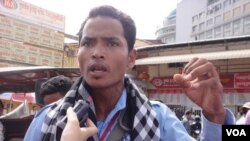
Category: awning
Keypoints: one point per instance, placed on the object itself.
(232, 54)
(23, 79)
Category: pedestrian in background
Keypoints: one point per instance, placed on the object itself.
(55, 88)
(188, 120)
(247, 120)
(196, 127)
(244, 109)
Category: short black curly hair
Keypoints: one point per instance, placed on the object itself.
(55, 84)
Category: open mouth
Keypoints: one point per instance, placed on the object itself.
(97, 68)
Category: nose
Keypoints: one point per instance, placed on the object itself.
(98, 52)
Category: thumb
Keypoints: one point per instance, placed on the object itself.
(178, 78)
(90, 130)
(71, 116)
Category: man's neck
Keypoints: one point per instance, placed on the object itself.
(105, 101)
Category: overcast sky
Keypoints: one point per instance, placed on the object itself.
(147, 14)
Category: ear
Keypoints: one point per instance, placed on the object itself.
(131, 58)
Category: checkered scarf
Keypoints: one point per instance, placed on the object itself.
(143, 122)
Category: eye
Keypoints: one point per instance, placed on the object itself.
(85, 44)
(112, 44)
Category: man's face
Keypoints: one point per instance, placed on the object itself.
(189, 115)
(103, 53)
(52, 98)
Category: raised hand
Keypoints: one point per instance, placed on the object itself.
(202, 85)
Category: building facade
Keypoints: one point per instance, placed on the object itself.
(30, 35)
(222, 18)
(230, 56)
(208, 19)
(166, 32)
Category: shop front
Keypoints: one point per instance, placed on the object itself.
(236, 91)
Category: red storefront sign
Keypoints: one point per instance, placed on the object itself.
(236, 91)
(164, 82)
(242, 80)
(166, 91)
(237, 83)
(227, 80)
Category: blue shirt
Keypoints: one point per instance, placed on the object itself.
(170, 126)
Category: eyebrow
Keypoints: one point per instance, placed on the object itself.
(111, 38)
(103, 38)
(86, 39)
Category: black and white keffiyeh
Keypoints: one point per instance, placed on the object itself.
(143, 122)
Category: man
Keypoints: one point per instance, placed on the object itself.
(188, 120)
(247, 118)
(54, 88)
(196, 127)
(117, 107)
(244, 109)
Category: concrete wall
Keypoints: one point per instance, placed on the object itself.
(186, 9)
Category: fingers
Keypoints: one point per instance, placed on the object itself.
(71, 116)
(199, 68)
(204, 83)
(195, 72)
(189, 64)
(91, 130)
(89, 123)
(72, 130)
(72, 127)
(180, 80)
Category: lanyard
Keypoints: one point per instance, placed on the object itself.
(111, 123)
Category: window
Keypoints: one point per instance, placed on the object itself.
(209, 22)
(217, 32)
(247, 25)
(202, 15)
(195, 18)
(247, 7)
(217, 8)
(236, 28)
(210, 10)
(201, 26)
(227, 15)
(175, 65)
(209, 34)
(227, 30)
(195, 28)
(217, 19)
(202, 36)
(227, 3)
(172, 21)
(235, 1)
(209, 2)
(236, 11)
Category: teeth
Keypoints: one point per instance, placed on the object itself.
(98, 69)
